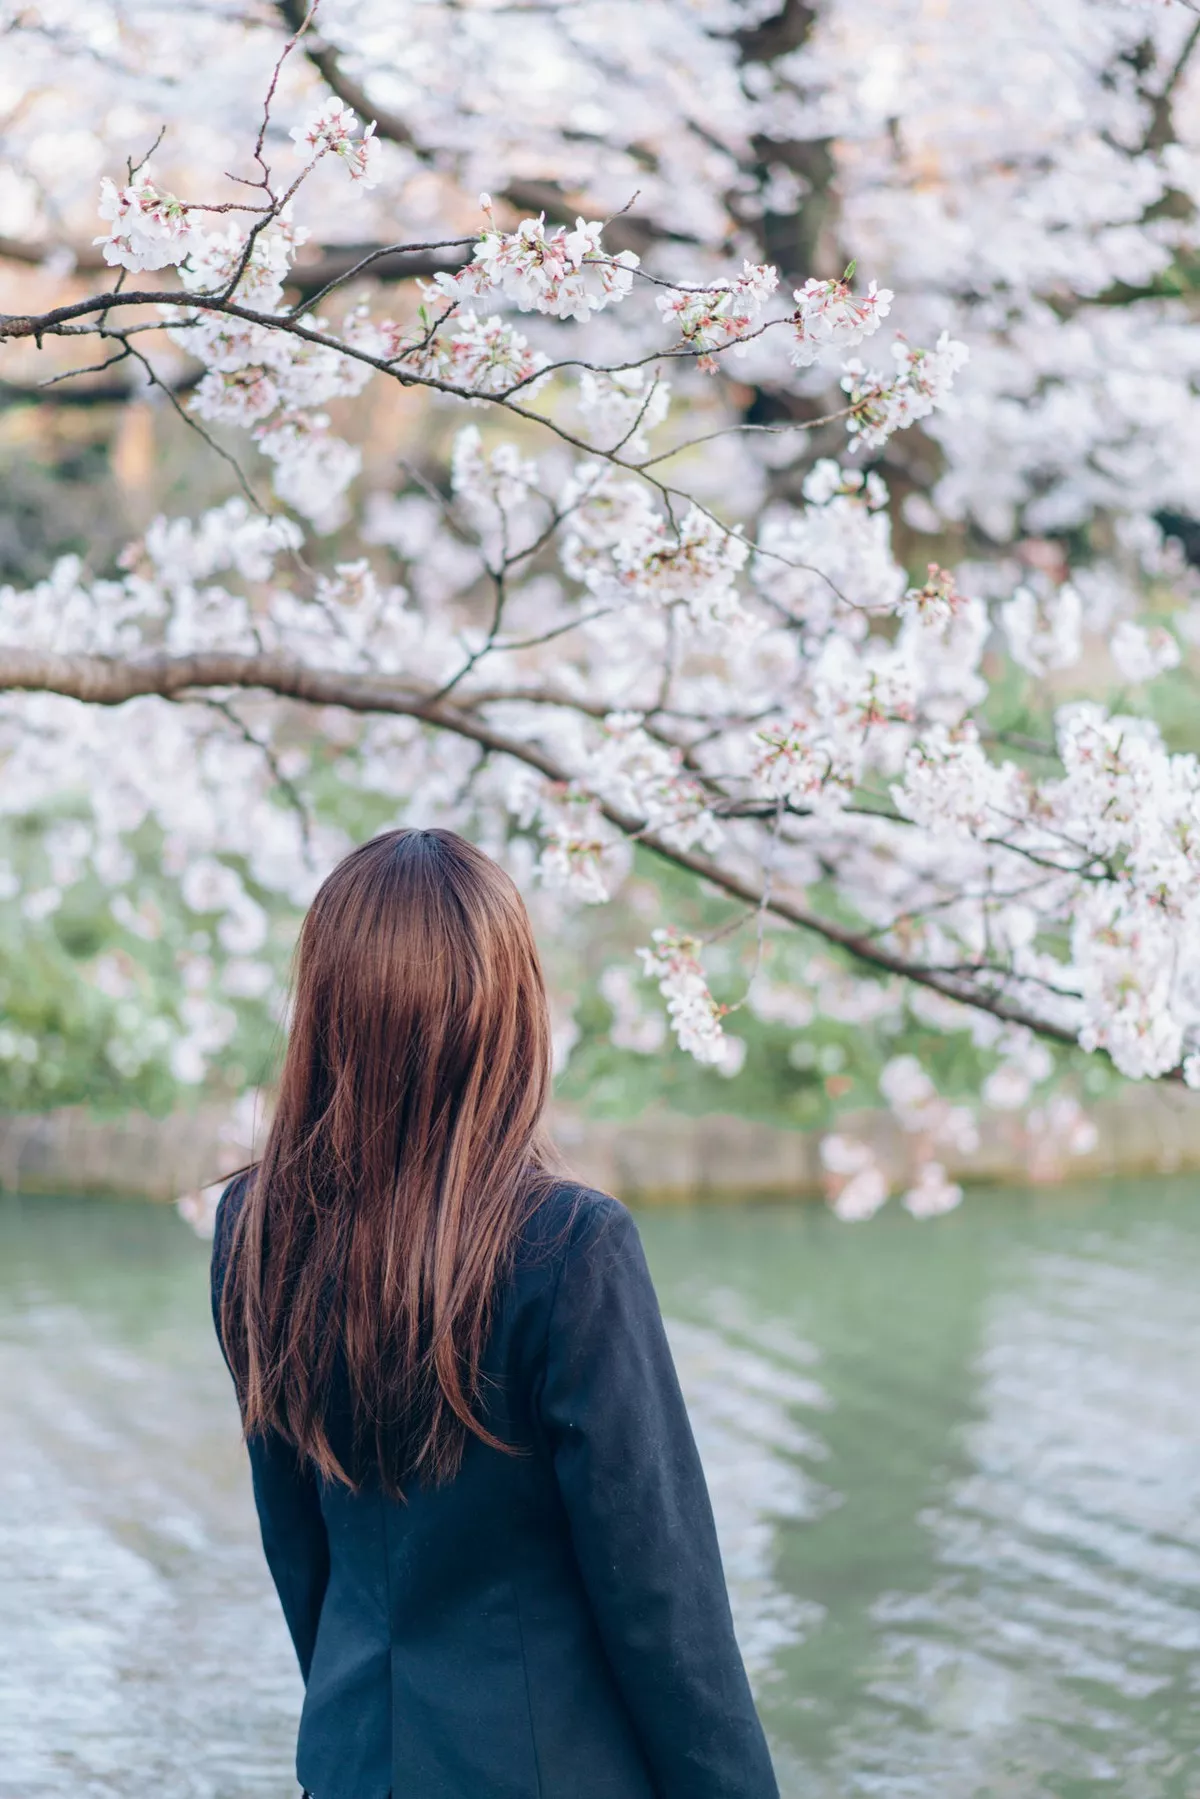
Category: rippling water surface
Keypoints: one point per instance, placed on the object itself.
(956, 1468)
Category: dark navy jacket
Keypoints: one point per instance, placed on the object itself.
(552, 1625)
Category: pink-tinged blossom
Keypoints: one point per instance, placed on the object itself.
(1123, 956)
(644, 779)
(602, 510)
(944, 657)
(712, 318)
(150, 229)
(883, 404)
(932, 1193)
(696, 566)
(182, 550)
(565, 274)
(622, 406)
(480, 355)
(620, 546)
(1044, 632)
(330, 130)
(267, 380)
(796, 762)
(313, 466)
(865, 696)
(922, 1111)
(829, 315)
(909, 1092)
(673, 960)
(1127, 799)
(240, 396)
(1143, 652)
(582, 856)
(855, 1184)
(950, 784)
(827, 480)
(829, 564)
(937, 600)
(572, 859)
(632, 1028)
(218, 256)
(492, 481)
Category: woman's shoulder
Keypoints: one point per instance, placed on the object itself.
(229, 1207)
(569, 1217)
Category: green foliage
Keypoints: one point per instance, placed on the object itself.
(94, 981)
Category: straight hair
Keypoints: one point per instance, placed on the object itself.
(406, 1152)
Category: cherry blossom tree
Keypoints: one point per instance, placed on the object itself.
(802, 527)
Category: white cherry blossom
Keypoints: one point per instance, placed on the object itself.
(857, 1185)
(883, 404)
(923, 729)
(1044, 634)
(830, 315)
(565, 274)
(150, 229)
(673, 960)
(1142, 652)
(330, 129)
(932, 1193)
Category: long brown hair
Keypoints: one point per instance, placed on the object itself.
(405, 1153)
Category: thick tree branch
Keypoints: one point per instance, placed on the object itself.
(102, 681)
(316, 267)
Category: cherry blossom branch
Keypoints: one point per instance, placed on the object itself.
(102, 681)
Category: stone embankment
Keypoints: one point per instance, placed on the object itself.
(658, 1157)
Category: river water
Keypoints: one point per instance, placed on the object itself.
(956, 1468)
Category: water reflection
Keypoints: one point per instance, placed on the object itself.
(998, 1553)
(744, 1407)
(142, 1651)
(1064, 1630)
(955, 1469)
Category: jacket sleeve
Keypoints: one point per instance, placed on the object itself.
(293, 1536)
(286, 1494)
(640, 1518)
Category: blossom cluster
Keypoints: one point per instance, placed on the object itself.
(149, 229)
(673, 961)
(330, 130)
(937, 600)
(623, 406)
(645, 779)
(481, 356)
(882, 404)
(565, 274)
(829, 314)
(712, 318)
(621, 545)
